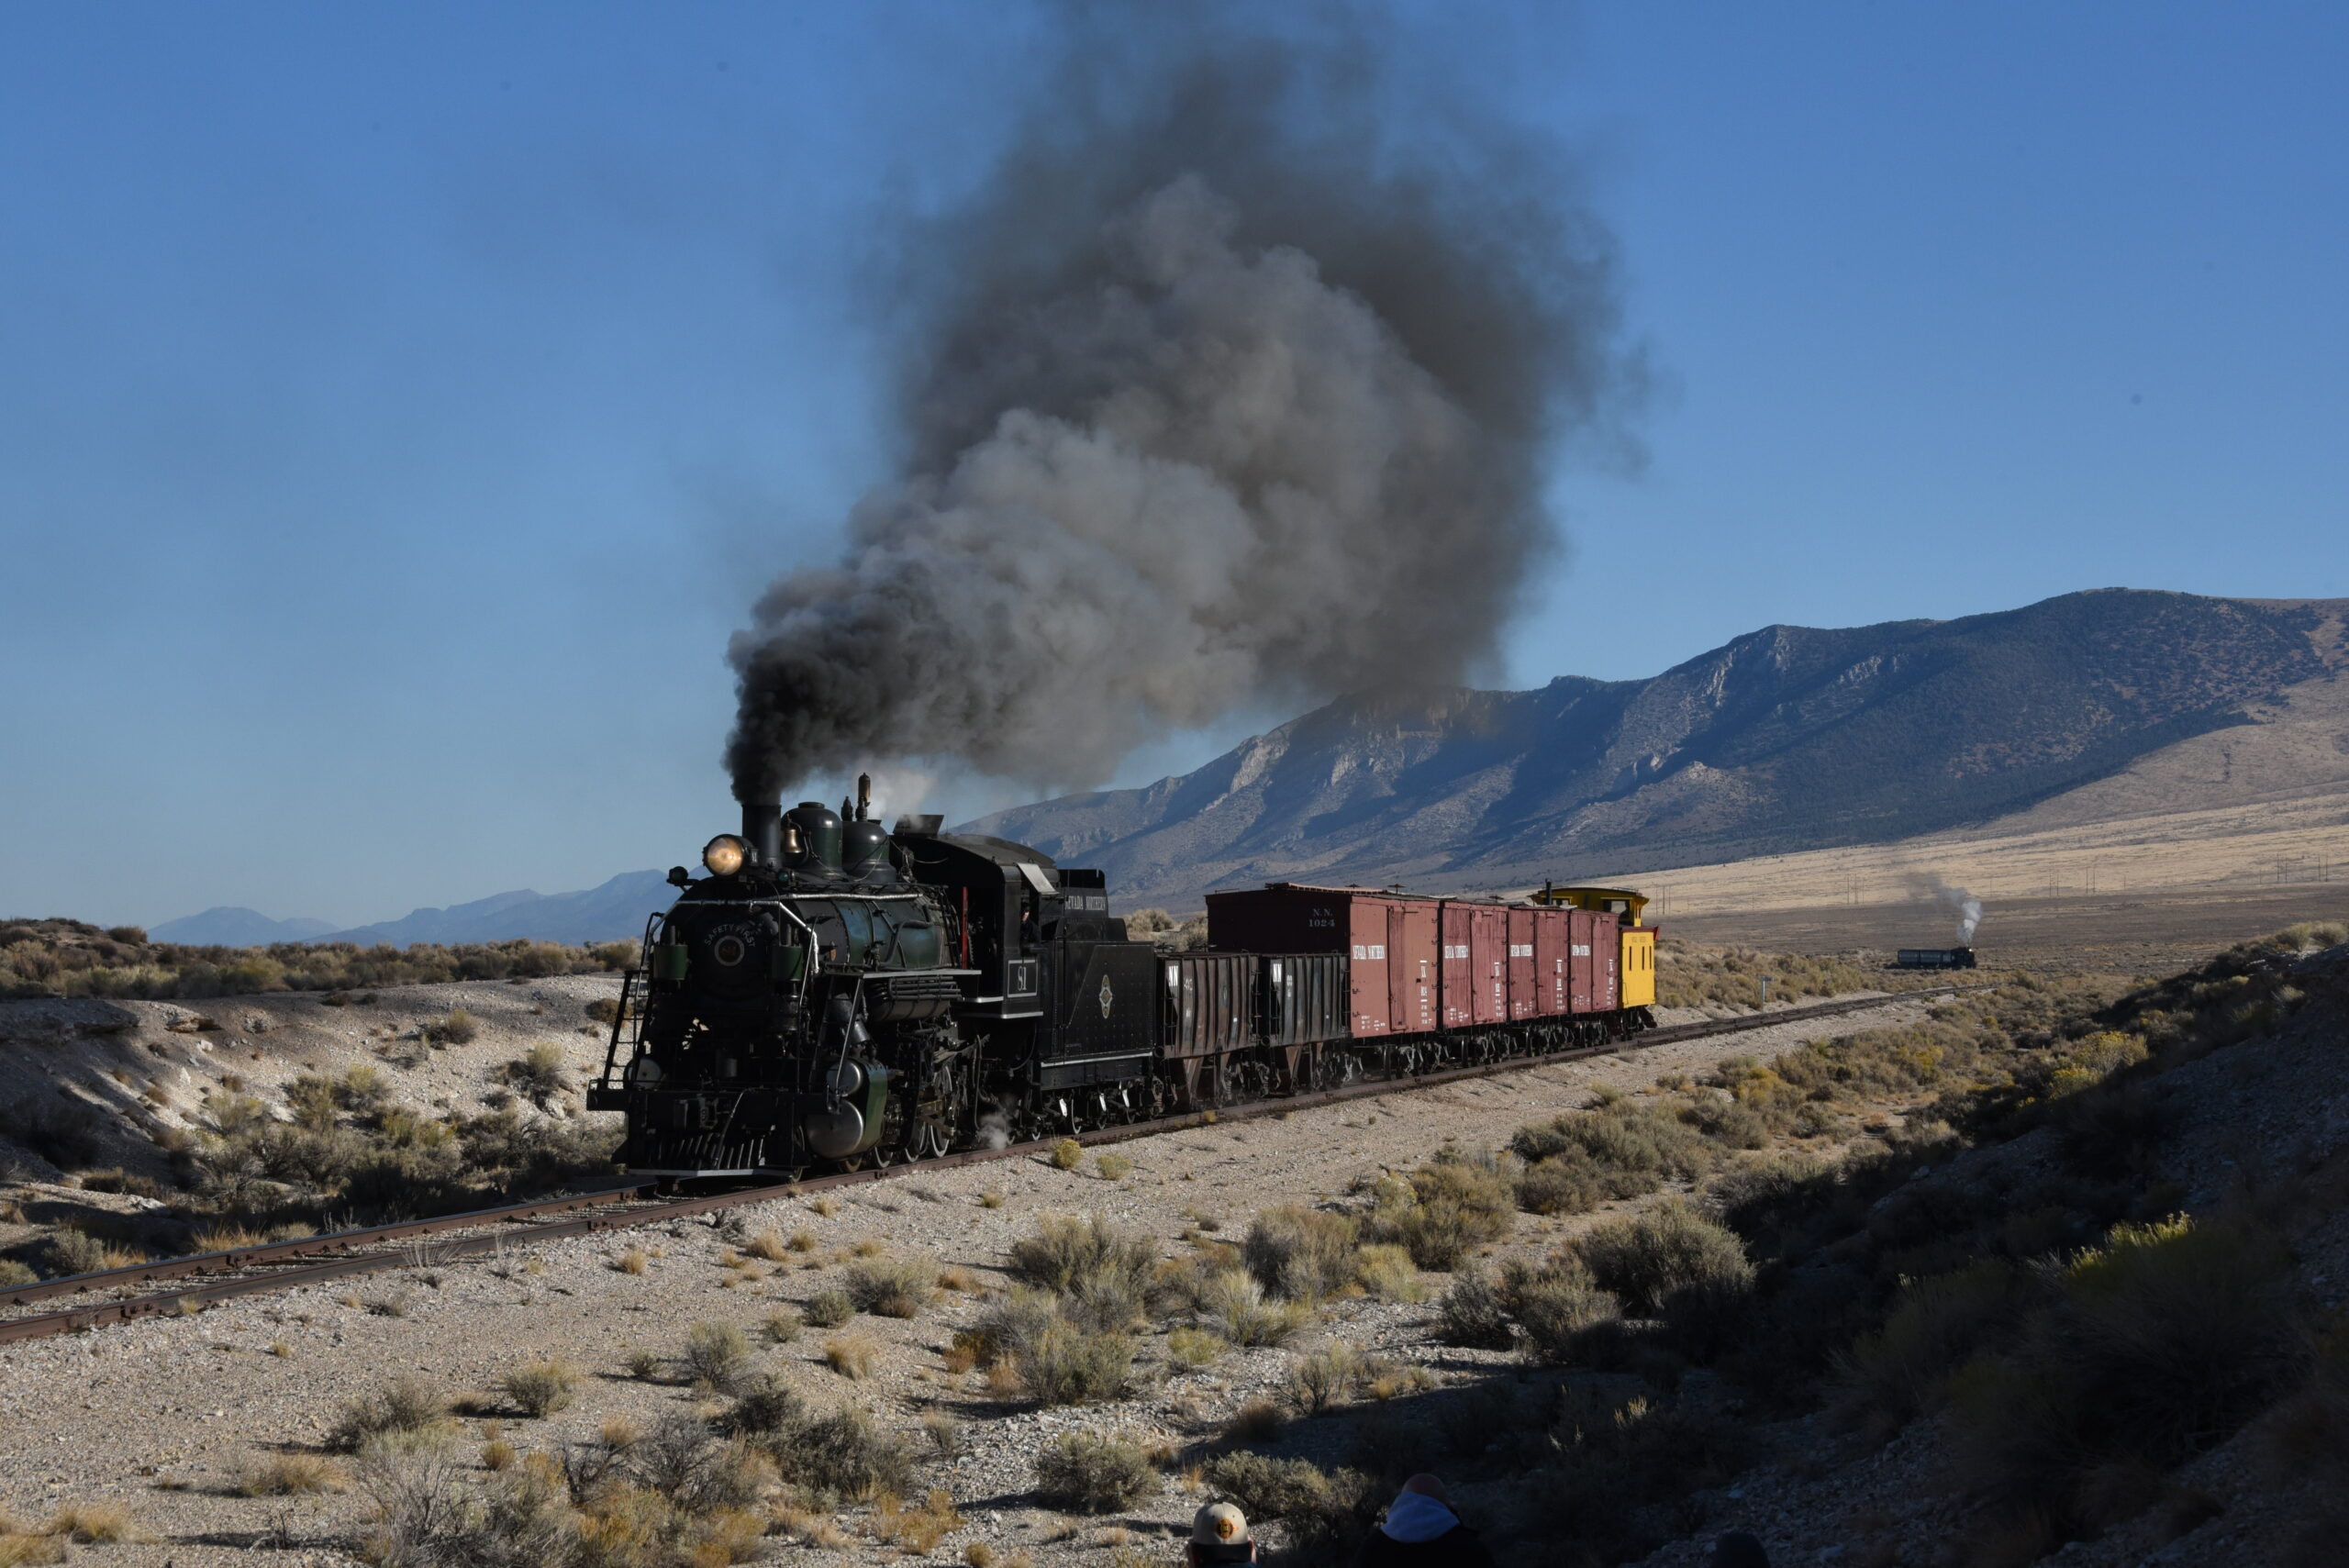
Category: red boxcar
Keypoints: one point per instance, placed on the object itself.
(1552, 936)
(1524, 986)
(1390, 942)
(1412, 964)
(1593, 945)
(1475, 970)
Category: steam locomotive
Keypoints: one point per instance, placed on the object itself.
(831, 994)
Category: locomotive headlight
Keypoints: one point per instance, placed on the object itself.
(724, 855)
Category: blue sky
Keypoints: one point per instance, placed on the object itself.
(400, 406)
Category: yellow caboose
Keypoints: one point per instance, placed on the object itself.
(1636, 963)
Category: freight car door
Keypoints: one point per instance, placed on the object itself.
(1524, 981)
(1372, 1006)
(1489, 951)
(1608, 982)
(1458, 1000)
(1411, 965)
(1582, 960)
(1549, 942)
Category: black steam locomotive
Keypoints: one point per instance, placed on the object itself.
(832, 992)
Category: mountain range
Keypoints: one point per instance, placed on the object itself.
(1789, 738)
(2089, 706)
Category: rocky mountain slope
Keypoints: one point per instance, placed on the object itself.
(1787, 739)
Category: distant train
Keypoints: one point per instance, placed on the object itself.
(831, 993)
(1934, 958)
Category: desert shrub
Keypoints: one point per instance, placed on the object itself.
(842, 1453)
(542, 1386)
(1560, 1185)
(1320, 1380)
(1325, 1511)
(783, 1328)
(768, 1245)
(763, 1406)
(1064, 1253)
(1936, 1325)
(13, 1273)
(537, 1074)
(1091, 1474)
(1193, 1348)
(1619, 1150)
(63, 1131)
(460, 1027)
(1012, 1322)
(892, 1287)
(1653, 1260)
(1472, 1313)
(718, 1355)
(829, 1309)
(1386, 1272)
(73, 1251)
(311, 1100)
(1301, 1254)
(2159, 1343)
(1448, 1207)
(1067, 1365)
(604, 1010)
(1233, 1303)
(1112, 1167)
(1556, 1305)
(1612, 1461)
(1068, 1154)
(403, 1406)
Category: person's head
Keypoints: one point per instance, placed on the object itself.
(1739, 1550)
(1427, 1485)
(1220, 1534)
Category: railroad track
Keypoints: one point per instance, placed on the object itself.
(100, 1299)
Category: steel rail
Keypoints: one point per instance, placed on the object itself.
(623, 1208)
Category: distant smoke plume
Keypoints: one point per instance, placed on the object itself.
(1217, 395)
(1963, 905)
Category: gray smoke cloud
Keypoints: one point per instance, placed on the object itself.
(1215, 395)
(1956, 900)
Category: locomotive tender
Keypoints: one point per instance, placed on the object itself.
(831, 994)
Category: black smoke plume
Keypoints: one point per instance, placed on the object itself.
(1219, 394)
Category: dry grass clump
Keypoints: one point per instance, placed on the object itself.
(537, 1074)
(1193, 1348)
(634, 1260)
(1112, 1167)
(1257, 1421)
(1067, 1365)
(1231, 1304)
(1068, 1154)
(92, 1524)
(540, 1387)
(770, 1246)
(403, 1406)
(291, 1474)
(783, 1328)
(892, 1287)
(1321, 1379)
(72, 1251)
(1101, 1272)
(852, 1355)
(991, 1199)
(1092, 1474)
(915, 1531)
(842, 1453)
(829, 1309)
(460, 1027)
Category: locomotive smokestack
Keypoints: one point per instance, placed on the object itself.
(762, 830)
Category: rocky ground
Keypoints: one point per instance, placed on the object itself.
(164, 1416)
